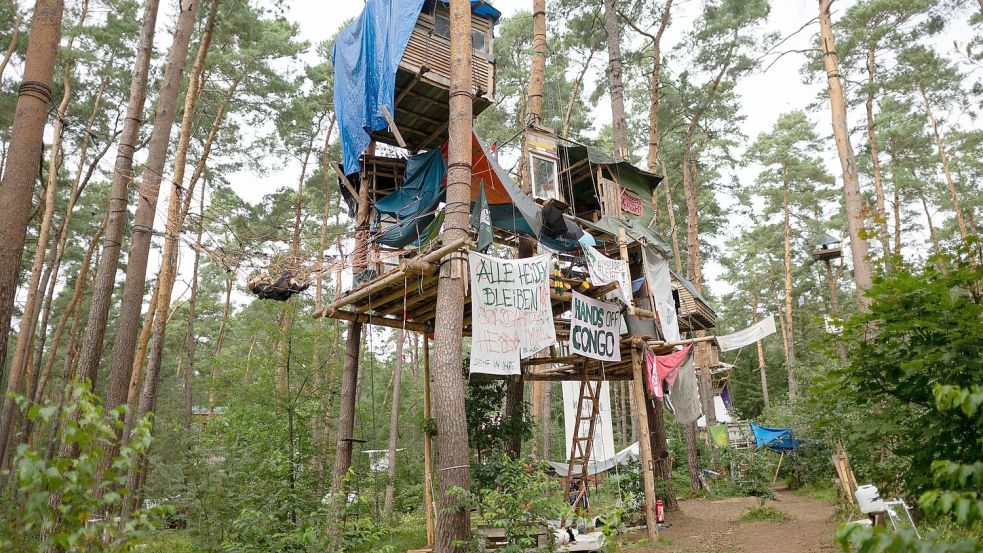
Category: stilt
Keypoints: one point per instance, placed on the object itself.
(780, 459)
(644, 445)
(428, 506)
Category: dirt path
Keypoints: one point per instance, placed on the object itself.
(713, 527)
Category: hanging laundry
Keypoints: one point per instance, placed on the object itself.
(684, 394)
(747, 336)
(663, 368)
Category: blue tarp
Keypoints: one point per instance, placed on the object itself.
(366, 55)
(778, 439)
(479, 7)
(422, 187)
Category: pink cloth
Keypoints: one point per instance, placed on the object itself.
(663, 368)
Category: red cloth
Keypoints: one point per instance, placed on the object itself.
(660, 368)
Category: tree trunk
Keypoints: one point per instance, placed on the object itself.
(671, 214)
(515, 388)
(12, 46)
(834, 301)
(23, 158)
(547, 421)
(78, 185)
(660, 454)
(931, 232)
(220, 341)
(192, 342)
(616, 88)
(881, 218)
(655, 93)
(944, 159)
(104, 281)
(692, 458)
(21, 367)
(428, 503)
(127, 327)
(762, 368)
(17, 187)
(453, 516)
(81, 282)
(848, 161)
(793, 383)
(394, 424)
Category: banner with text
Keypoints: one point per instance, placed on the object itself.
(604, 270)
(595, 328)
(511, 314)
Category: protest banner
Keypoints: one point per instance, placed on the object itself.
(595, 328)
(604, 270)
(511, 313)
(747, 336)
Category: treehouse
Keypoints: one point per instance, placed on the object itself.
(423, 76)
(392, 74)
(827, 248)
(694, 311)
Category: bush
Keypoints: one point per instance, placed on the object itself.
(55, 503)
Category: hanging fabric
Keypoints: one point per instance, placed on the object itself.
(663, 368)
(685, 394)
(660, 288)
(604, 270)
(481, 219)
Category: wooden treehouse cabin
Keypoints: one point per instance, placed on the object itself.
(423, 77)
(827, 248)
(576, 203)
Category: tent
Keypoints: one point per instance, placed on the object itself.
(777, 439)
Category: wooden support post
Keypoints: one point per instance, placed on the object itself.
(344, 180)
(780, 459)
(428, 505)
(623, 248)
(644, 445)
(392, 126)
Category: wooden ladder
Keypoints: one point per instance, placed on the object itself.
(580, 450)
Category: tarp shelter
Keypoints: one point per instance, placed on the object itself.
(366, 55)
(778, 439)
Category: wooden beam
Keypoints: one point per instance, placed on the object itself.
(432, 136)
(381, 282)
(392, 126)
(644, 445)
(409, 86)
(344, 180)
(378, 321)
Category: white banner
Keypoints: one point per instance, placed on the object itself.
(511, 313)
(660, 286)
(604, 270)
(747, 336)
(602, 448)
(595, 328)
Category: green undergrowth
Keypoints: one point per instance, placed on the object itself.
(765, 514)
(817, 491)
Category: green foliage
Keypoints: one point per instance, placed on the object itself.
(66, 503)
(765, 514)
(951, 418)
(488, 430)
(922, 330)
(524, 498)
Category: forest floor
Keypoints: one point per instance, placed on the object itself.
(716, 526)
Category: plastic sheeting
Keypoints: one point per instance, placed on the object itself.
(422, 187)
(597, 467)
(479, 8)
(778, 439)
(366, 55)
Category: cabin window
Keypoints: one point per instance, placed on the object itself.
(442, 27)
(478, 40)
(544, 177)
